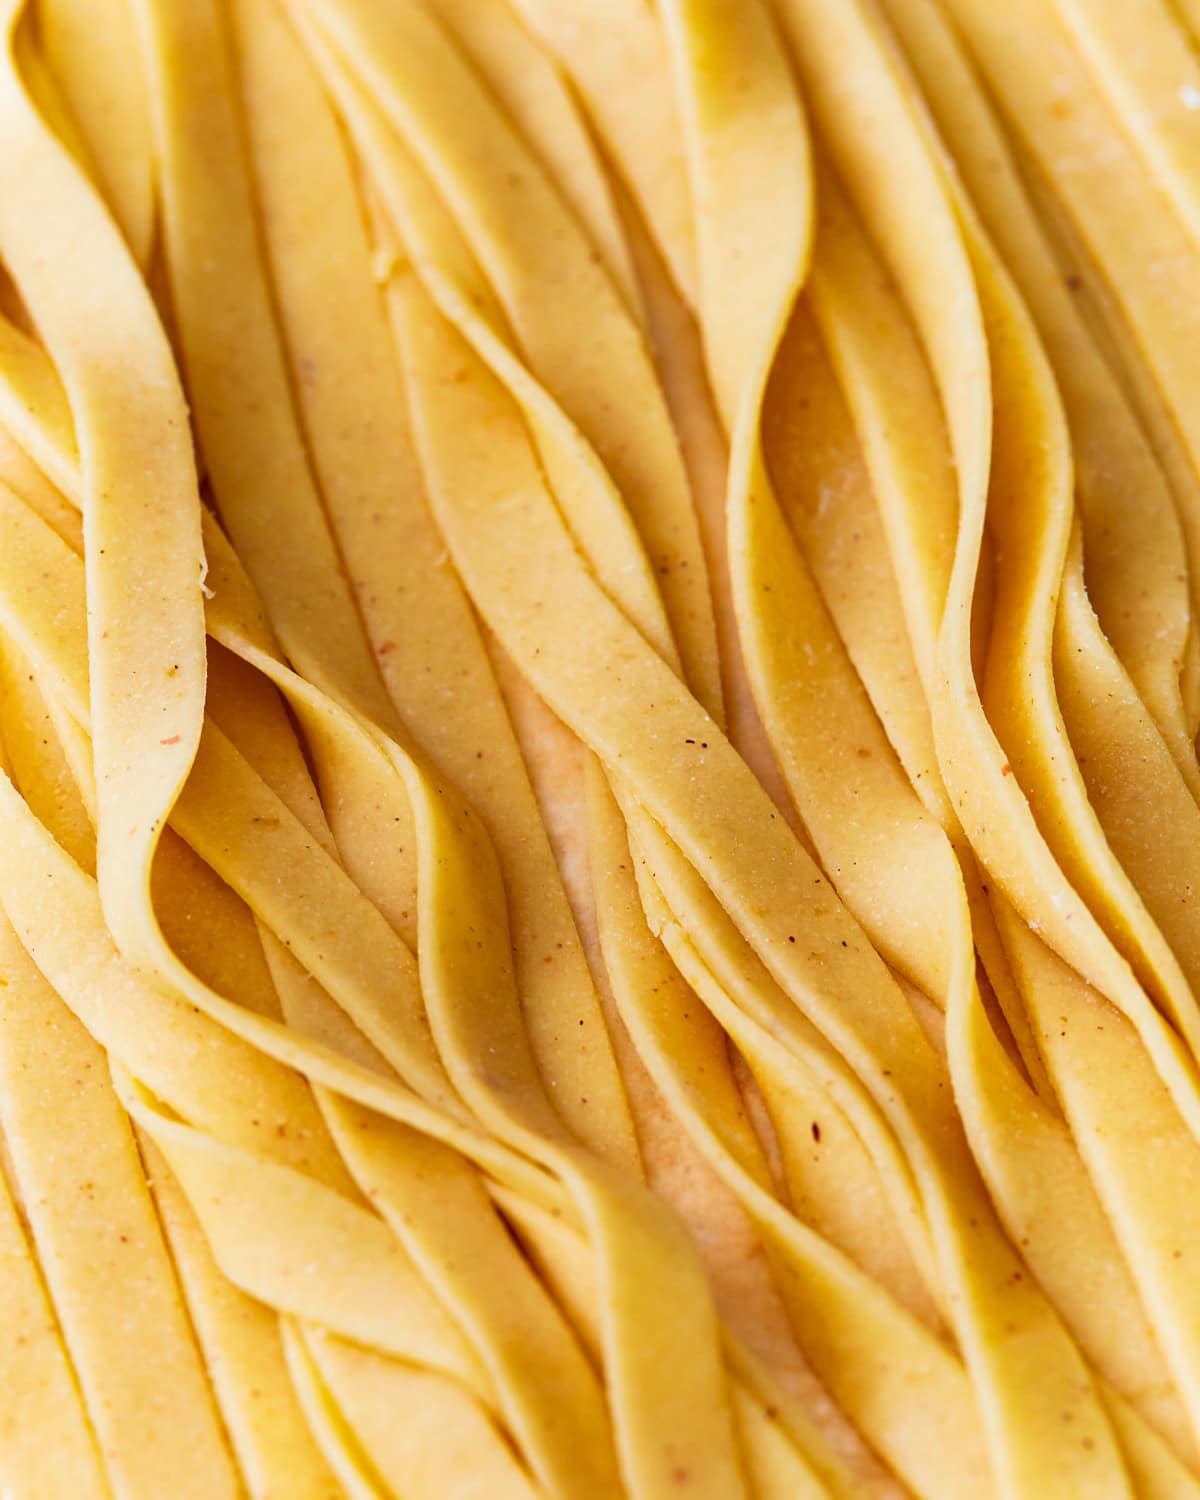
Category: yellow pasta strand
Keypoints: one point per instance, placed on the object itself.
(599, 793)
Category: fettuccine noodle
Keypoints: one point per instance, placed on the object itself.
(599, 802)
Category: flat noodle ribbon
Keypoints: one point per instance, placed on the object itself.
(598, 807)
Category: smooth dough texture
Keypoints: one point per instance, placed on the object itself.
(599, 804)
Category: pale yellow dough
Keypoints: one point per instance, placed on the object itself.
(599, 810)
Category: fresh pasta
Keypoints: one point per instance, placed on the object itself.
(599, 801)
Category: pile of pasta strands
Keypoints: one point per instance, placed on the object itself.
(600, 820)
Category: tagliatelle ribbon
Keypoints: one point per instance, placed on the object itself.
(733, 220)
(245, 1273)
(44, 1394)
(1148, 328)
(617, 57)
(1136, 577)
(111, 1278)
(480, 1085)
(537, 100)
(707, 123)
(584, 987)
(413, 609)
(645, 465)
(106, 96)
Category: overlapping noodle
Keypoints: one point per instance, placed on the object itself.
(598, 810)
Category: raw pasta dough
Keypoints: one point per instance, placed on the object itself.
(599, 824)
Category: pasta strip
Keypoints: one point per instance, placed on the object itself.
(99, 1242)
(107, 99)
(41, 1381)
